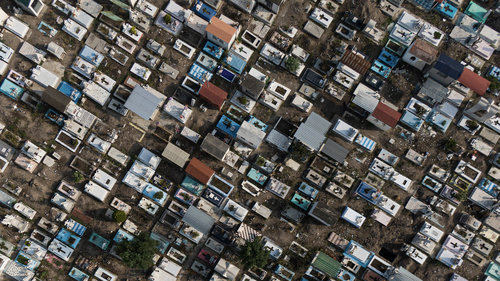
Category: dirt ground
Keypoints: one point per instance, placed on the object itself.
(309, 233)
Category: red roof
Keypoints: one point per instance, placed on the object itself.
(221, 30)
(199, 171)
(213, 94)
(386, 114)
(473, 81)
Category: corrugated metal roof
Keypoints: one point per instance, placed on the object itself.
(326, 264)
(176, 155)
(144, 102)
(56, 99)
(449, 66)
(309, 136)
(214, 146)
(403, 275)
(334, 151)
(318, 123)
(366, 102)
(198, 219)
(434, 90)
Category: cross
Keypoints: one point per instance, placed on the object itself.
(447, 9)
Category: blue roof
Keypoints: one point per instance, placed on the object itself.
(308, 190)
(437, 186)
(163, 245)
(235, 63)
(91, 55)
(204, 11)
(199, 73)
(449, 66)
(150, 190)
(388, 58)
(368, 192)
(411, 120)
(257, 123)
(477, 12)
(439, 120)
(32, 263)
(494, 71)
(52, 113)
(362, 263)
(76, 274)
(192, 185)
(226, 74)
(448, 10)
(381, 69)
(213, 50)
(488, 186)
(69, 91)
(6, 199)
(99, 241)
(301, 202)
(426, 4)
(65, 235)
(257, 176)
(228, 126)
(11, 90)
(121, 235)
(365, 142)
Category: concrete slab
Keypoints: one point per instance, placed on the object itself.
(313, 29)
(96, 43)
(54, 67)
(170, 71)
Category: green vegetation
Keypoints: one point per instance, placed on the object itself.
(167, 18)
(77, 176)
(292, 64)
(133, 30)
(462, 195)
(14, 129)
(472, 125)
(254, 254)
(74, 143)
(119, 216)
(138, 253)
(260, 161)
(494, 83)
(243, 100)
(158, 195)
(22, 259)
(437, 35)
(300, 152)
(451, 145)
(195, 234)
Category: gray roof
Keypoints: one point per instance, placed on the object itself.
(334, 150)
(324, 213)
(176, 155)
(198, 219)
(252, 84)
(144, 102)
(318, 123)
(366, 102)
(6, 151)
(434, 90)
(56, 99)
(493, 221)
(214, 146)
(309, 136)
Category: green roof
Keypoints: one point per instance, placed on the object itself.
(326, 264)
(24, 2)
(99, 241)
(477, 12)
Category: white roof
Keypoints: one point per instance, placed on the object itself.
(82, 18)
(347, 70)
(449, 258)
(16, 26)
(104, 179)
(170, 266)
(95, 92)
(320, 16)
(25, 210)
(141, 71)
(482, 199)
(63, 202)
(388, 205)
(177, 11)
(358, 252)
(104, 81)
(149, 158)
(197, 23)
(6, 52)
(455, 97)
(490, 35)
(59, 249)
(75, 128)
(301, 103)
(401, 180)
(134, 181)
(353, 217)
(190, 134)
(250, 134)
(274, 87)
(177, 110)
(431, 231)
(226, 269)
(17, 222)
(309, 136)
(347, 131)
(410, 22)
(74, 29)
(3, 17)
(149, 206)
(239, 212)
(98, 143)
(44, 77)
(275, 250)
(242, 51)
(144, 101)
(428, 31)
(142, 170)
(270, 101)
(33, 151)
(119, 156)
(255, 73)
(96, 190)
(17, 271)
(159, 274)
(272, 54)
(105, 275)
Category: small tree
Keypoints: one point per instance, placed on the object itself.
(451, 145)
(133, 30)
(254, 254)
(158, 195)
(462, 195)
(243, 100)
(494, 83)
(139, 252)
(292, 64)
(167, 18)
(119, 216)
(194, 234)
(77, 176)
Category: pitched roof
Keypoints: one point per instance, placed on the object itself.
(424, 51)
(434, 90)
(214, 146)
(252, 84)
(334, 150)
(449, 66)
(326, 264)
(144, 101)
(199, 171)
(220, 30)
(173, 153)
(56, 99)
(356, 62)
(198, 219)
(386, 114)
(473, 81)
(213, 94)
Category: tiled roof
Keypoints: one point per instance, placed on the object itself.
(474, 82)
(424, 51)
(221, 30)
(199, 171)
(386, 114)
(213, 94)
(356, 62)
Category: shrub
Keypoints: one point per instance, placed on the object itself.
(119, 216)
(77, 176)
(167, 18)
(494, 83)
(292, 64)
(133, 30)
(158, 195)
(451, 145)
(243, 100)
